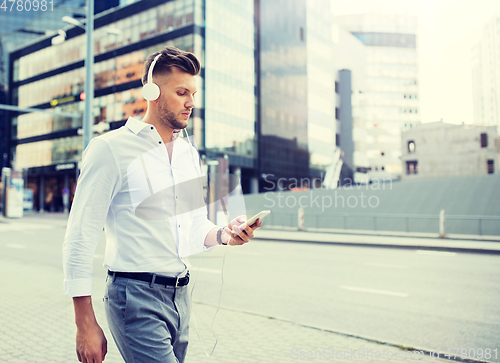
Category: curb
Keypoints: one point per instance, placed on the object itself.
(471, 237)
(426, 351)
(410, 247)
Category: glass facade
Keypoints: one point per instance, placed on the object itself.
(144, 25)
(320, 87)
(283, 138)
(48, 152)
(24, 27)
(108, 73)
(230, 99)
(49, 145)
(34, 124)
(53, 77)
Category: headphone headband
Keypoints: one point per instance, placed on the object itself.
(151, 68)
(151, 91)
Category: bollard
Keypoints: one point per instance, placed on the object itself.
(441, 224)
(300, 220)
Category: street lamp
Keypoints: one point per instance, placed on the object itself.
(88, 123)
(88, 116)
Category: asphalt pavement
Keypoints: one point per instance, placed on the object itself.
(37, 320)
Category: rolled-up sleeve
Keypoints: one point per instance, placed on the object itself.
(99, 181)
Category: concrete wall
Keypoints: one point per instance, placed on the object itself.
(444, 150)
(384, 206)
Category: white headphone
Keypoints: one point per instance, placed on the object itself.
(151, 91)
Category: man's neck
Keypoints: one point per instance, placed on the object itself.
(166, 133)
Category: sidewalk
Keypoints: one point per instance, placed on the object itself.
(37, 327)
(477, 244)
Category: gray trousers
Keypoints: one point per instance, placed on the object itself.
(149, 322)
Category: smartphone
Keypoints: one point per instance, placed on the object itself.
(260, 215)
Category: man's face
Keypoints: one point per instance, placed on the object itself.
(176, 99)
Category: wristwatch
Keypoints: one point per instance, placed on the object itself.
(219, 237)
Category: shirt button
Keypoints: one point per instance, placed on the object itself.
(159, 142)
(152, 128)
(179, 226)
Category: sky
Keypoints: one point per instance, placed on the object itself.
(447, 31)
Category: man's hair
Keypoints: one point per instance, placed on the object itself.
(171, 57)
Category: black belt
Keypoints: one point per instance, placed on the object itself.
(152, 278)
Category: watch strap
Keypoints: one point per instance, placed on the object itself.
(219, 237)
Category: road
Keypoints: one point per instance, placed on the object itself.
(413, 298)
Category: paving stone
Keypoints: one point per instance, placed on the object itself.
(39, 327)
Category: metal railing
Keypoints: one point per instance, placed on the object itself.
(424, 223)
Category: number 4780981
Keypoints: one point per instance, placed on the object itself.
(27, 5)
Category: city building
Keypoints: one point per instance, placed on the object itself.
(438, 149)
(486, 75)
(50, 76)
(390, 102)
(349, 63)
(283, 112)
(270, 99)
(20, 27)
(297, 93)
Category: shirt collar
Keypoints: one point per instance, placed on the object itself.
(135, 125)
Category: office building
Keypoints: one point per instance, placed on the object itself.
(22, 27)
(297, 120)
(46, 76)
(268, 93)
(438, 149)
(486, 75)
(349, 63)
(391, 97)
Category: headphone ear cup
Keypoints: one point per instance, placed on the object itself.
(150, 91)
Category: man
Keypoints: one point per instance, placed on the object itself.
(137, 182)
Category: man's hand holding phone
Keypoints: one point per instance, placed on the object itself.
(240, 230)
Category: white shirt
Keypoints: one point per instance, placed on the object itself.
(152, 209)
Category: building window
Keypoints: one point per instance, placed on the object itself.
(490, 166)
(336, 87)
(382, 153)
(337, 113)
(337, 139)
(383, 168)
(411, 147)
(412, 167)
(301, 34)
(484, 140)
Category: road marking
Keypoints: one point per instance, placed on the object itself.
(373, 291)
(385, 265)
(13, 245)
(435, 253)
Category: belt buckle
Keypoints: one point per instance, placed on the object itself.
(177, 281)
